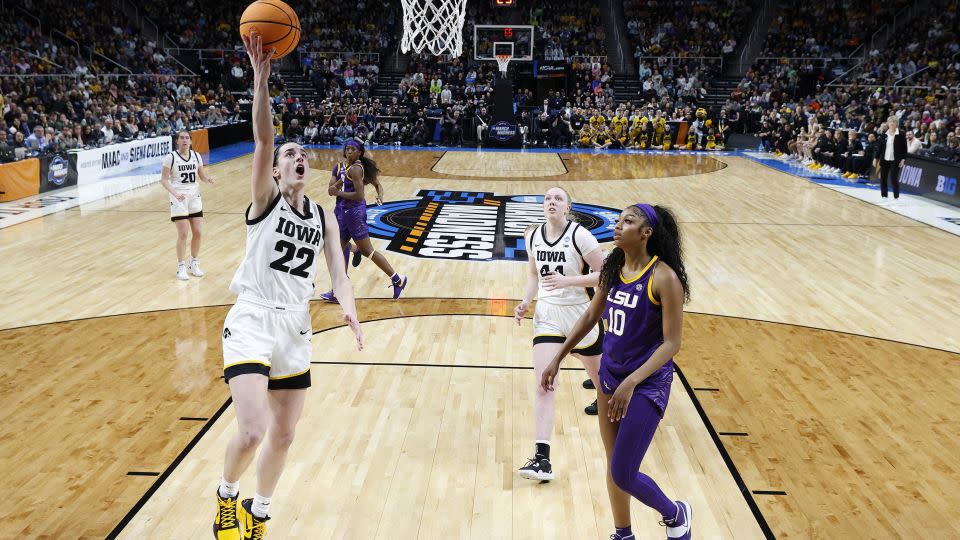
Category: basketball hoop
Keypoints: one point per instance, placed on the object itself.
(503, 60)
(434, 25)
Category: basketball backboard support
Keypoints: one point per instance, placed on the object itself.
(487, 37)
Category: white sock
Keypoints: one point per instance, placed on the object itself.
(261, 506)
(229, 490)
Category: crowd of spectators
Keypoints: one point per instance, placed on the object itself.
(786, 101)
(567, 28)
(55, 114)
(556, 121)
(923, 53)
(833, 127)
(362, 26)
(569, 32)
(821, 125)
(336, 76)
(24, 50)
(826, 28)
(680, 47)
(102, 38)
(690, 28)
(344, 45)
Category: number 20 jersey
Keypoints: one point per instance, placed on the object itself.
(280, 263)
(184, 173)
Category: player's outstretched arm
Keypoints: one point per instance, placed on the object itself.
(263, 186)
(530, 290)
(338, 277)
(203, 173)
(580, 329)
(379, 188)
(165, 182)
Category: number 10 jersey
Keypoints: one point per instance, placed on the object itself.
(283, 245)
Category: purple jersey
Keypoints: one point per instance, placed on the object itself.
(340, 172)
(633, 326)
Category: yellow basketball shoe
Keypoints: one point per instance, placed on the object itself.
(254, 528)
(225, 524)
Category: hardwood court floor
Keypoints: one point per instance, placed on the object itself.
(854, 429)
(424, 443)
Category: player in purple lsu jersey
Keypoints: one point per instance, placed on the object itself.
(643, 286)
(347, 182)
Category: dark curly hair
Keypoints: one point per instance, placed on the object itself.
(665, 242)
(370, 169)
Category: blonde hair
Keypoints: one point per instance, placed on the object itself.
(569, 215)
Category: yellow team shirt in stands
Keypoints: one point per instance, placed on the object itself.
(586, 134)
(601, 134)
(618, 125)
(597, 120)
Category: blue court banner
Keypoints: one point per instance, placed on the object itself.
(931, 178)
(57, 171)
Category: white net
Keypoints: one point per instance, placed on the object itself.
(433, 25)
(503, 60)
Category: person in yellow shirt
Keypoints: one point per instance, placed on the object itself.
(711, 136)
(585, 137)
(601, 136)
(618, 128)
(640, 133)
(634, 134)
(661, 135)
(597, 119)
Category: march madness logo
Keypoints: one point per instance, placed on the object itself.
(471, 225)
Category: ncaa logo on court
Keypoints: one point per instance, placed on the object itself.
(471, 225)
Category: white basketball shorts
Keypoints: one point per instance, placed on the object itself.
(270, 339)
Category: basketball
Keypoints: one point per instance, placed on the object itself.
(277, 24)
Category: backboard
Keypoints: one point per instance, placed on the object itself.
(485, 35)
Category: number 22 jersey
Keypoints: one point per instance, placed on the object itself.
(283, 245)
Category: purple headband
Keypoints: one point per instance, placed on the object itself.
(353, 143)
(650, 213)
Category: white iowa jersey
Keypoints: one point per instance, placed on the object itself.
(283, 246)
(564, 256)
(184, 173)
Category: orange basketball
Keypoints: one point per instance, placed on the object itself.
(276, 22)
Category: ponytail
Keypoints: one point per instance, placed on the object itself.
(612, 266)
(370, 169)
(666, 243)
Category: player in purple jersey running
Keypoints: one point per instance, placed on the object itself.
(347, 182)
(643, 286)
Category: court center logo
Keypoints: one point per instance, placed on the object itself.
(470, 225)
